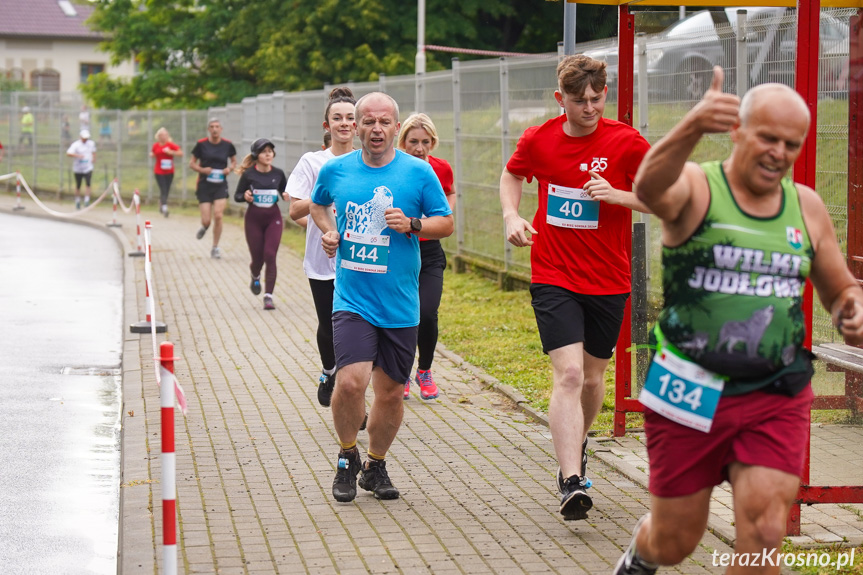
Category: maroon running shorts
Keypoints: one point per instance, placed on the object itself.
(758, 428)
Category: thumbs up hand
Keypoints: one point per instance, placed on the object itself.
(717, 111)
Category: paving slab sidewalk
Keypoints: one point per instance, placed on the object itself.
(256, 453)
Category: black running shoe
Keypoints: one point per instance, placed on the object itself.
(574, 500)
(347, 468)
(255, 286)
(376, 479)
(326, 383)
(587, 482)
(631, 562)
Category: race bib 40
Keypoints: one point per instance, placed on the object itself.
(571, 208)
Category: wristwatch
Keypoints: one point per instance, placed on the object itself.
(416, 225)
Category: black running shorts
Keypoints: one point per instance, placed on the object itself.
(564, 318)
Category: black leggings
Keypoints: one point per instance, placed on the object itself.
(431, 288)
(322, 294)
(164, 181)
(263, 234)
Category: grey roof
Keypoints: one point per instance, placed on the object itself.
(44, 19)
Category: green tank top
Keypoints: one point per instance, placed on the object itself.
(734, 290)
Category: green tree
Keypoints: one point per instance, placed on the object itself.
(198, 53)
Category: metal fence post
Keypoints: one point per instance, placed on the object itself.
(643, 124)
(34, 146)
(504, 143)
(150, 160)
(119, 169)
(459, 185)
(60, 153)
(742, 72)
(183, 140)
(639, 299)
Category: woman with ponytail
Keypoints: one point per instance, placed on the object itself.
(260, 186)
(320, 269)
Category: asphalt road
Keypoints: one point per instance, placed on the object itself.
(60, 349)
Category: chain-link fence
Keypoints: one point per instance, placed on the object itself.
(480, 109)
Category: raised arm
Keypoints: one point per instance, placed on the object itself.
(664, 182)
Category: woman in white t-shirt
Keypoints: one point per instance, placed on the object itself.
(319, 268)
(83, 151)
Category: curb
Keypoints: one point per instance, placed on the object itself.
(506, 390)
(715, 525)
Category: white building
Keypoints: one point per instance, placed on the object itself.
(47, 45)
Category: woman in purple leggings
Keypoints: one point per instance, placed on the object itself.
(261, 185)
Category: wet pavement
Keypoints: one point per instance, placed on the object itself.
(60, 392)
(256, 453)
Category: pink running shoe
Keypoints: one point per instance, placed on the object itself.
(428, 389)
(408, 388)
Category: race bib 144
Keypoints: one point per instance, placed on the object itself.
(364, 252)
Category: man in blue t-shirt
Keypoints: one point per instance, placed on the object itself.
(383, 200)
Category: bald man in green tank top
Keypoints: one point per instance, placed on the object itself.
(727, 395)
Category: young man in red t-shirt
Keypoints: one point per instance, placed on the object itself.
(580, 261)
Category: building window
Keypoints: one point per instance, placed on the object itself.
(88, 70)
(45, 80)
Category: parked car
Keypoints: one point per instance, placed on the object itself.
(680, 59)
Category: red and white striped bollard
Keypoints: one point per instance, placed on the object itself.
(169, 462)
(18, 205)
(114, 223)
(147, 325)
(140, 251)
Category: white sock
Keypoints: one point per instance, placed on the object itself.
(329, 371)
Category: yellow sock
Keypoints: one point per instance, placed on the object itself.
(376, 457)
(348, 446)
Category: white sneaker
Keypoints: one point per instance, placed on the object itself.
(216, 253)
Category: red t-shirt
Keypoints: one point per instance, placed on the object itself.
(443, 171)
(586, 261)
(164, 162)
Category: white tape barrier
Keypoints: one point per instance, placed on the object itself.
(11, 176)
(120, 199)
(151, 317)
(39, 203)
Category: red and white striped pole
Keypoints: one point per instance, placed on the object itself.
(169, 462)
(140, 251)
(114, 223)
(147, 326)
(18, 205)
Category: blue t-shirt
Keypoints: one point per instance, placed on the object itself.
(361, 194)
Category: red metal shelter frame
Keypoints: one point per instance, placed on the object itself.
(806, 81)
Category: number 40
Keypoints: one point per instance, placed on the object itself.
(574, 210)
